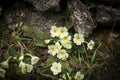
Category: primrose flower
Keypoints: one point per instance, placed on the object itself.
(53, 50)
(78, 39)
(2, 73)
(63, 32)
(21, 57)
(65, 39)
(62, 54)
(56, 68)
(22, 65)
(65, 78)
(25, 67)
(79, 76)
(57, 44)
(29, 68)
(54, 31)
(5, 64)
(47, 41)
(67, 44)
(34, 59)
(90, 45)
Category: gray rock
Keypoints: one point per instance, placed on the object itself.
(76, 15)
(44, 5)
(83, 22)
(41, 19)
(107, 16)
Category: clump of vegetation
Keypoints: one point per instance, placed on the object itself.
(70, 56)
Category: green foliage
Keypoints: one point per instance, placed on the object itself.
(39, 37)
(25, 42)
(50, 60)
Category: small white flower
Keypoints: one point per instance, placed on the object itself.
(53, 50)
(22, 65)
(2, 73)
(90, 45)
(65, 39)
(54, 31)
(21, 57)
(67, 44)
(5, 64)
(25, 67)
(62, 54)
(79, 76)
(57, 44)
(14, 57)
(47, 41)
(63, 31)
(56, 68)
(29, 68)
(68, 76)
(34, 60)
(78, 39)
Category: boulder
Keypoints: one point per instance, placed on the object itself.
(44, 5)
(83, 22)
(107, 16)
(75, 15)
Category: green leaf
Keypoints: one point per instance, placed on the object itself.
(25, 28)
(93, 57)
(94, 54)
(39, 37)
(17, 38)
(50, 60)
(12, 51)
(66, 67)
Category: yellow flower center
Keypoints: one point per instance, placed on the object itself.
(57, 68)
(78, 38)
(65, 38)
(62, 31)
(78, 77)
(54, 30)
(52, 49)
(62, 53)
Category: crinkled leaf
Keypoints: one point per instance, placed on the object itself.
(50, 60)
(66, 67)
(39, 37)
(25, 28)
(12, 51)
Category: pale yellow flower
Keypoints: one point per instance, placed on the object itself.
(29, 68)
(78, 39)
(54, 31)
(25, 67)
(21, 57)
(47, 41)
(34, 59)
(22, 65)
(5, 64)
(2, 73)
(56, 68)
(63, 31)
(65, 39)
(68, 76)
(79, 76)
(57, 44)
(53, 50)
(90, 45)
(67, 44)
(62, 54)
